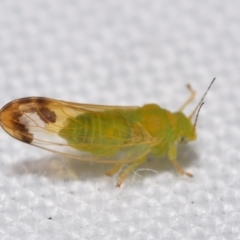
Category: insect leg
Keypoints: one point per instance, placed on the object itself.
(129, 169)
(190, 98)
(172, 154)
(114, 170)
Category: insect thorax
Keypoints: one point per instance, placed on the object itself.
(170, 128)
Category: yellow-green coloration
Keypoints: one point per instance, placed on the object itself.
(101, 131)
(105, 134)
(100, 134)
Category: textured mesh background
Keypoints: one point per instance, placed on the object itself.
(123, 52)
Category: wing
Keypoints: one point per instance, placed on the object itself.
(38, 121)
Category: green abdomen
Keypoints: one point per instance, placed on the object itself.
(97, 133)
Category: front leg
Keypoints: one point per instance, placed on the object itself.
(172, 156)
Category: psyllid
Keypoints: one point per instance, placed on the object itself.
(99, 133)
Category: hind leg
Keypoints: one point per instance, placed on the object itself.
(126, 172)
(114, 170)
(129, 169)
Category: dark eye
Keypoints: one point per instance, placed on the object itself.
(183, 140)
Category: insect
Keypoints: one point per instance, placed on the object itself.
(115, 135)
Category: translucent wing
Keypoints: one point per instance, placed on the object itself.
(107, 135)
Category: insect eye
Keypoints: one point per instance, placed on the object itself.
(183, 140)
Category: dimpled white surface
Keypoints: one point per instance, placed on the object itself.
(123, 53)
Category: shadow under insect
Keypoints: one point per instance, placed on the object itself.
(57, 167)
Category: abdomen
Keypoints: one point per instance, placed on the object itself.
(97, 133)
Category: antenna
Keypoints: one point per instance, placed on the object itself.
(198, 107)
(195, 123)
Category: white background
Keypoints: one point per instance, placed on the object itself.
(123, 53)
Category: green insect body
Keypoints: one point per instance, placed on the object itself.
(113, 129)
(102, 134)
(105, 134)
